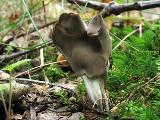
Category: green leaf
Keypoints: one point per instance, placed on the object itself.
(11, 67)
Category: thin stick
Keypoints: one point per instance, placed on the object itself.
(10, 96)
(38, 67)
(124, 39)
(141, 86)
(21, 53)
(157, 77)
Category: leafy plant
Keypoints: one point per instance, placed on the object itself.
(81, 90)
(63, 96)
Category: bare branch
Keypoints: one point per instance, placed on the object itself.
(116, 9)
(21, 53)
(90, 4)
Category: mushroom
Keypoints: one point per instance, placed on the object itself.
(87, 49)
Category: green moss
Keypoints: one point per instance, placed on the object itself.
(134, 63)
(54, 73)
(138, 111)
(63, 97)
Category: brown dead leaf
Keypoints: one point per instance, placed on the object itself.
(91, 115)
(14, 16)
(41, 89)
(61, 58)
(26, 115)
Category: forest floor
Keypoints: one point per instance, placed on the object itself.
(43, 85)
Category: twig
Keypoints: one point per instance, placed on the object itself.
(90, 4)
(157, 77)
(124, 39)
(21, 53)
(42, 50)
(30, 82)
(3, 46)
(10, 96)
(38, 68)
(116, 9)
(141, 86)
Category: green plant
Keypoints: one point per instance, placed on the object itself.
(9, 49)
(63, 97)
(18, 65)
(135, 62)
(54, 73)
(82, 118)
(50, 54)
(80, 90)
(138, 111)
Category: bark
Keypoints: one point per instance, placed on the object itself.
(116, 9)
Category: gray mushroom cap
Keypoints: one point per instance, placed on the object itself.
(86, 49)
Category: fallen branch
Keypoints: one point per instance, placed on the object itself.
(116, 9)
(35, 69)
(21, 53)
(30, 82)
(17, 91)
(3, 45)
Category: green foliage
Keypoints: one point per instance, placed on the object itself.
(146, 42)
(82, 118)
(130, 68)
(3, 88)
(81, 90)
(18, 65)
(156, 106)
(123, 1)
(63, 97)
(49, 54)
(54, 73)
(135, 62)
(138, 111)
(9, 49)
(141, 65)
(158, 63)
